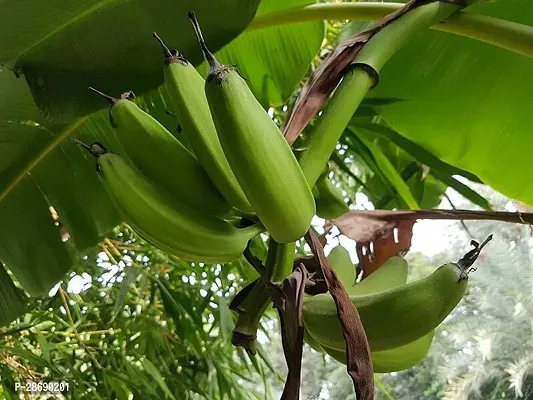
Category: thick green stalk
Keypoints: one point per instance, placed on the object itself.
(334, 119)
(324, 11)
(280, 258)
(394, 36)
(253, 308)
(356, 83)
(505, 34)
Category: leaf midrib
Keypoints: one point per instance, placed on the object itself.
(36, 160)
(70, 22)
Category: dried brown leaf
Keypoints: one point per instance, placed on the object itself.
(237, 301)
(327, 76)
(361, 228)
(375, 227)
(359, 364)
(292, 330)
(383, 247)
(403, 215)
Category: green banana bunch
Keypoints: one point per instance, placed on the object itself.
(329, 201)
(162, 158)
(391, 274)
(396, 316)
(167, 223)
(258, 154)
(186, 88)
(312, 342)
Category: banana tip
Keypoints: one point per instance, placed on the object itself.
(213, 63)
(96, 149)
(110, 99)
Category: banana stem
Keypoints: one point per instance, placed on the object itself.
(397, 34)
(255, 305)
(334, 119)
(497, 32)
(361, 78)
(280, 258)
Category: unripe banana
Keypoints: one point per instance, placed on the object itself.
(341, 263)
(393, 317)
(329, 201)
(391, 274)
(186, 89)
(312, 342)
(166, 222)
(396, 359)
(162, 158)
(258, 154)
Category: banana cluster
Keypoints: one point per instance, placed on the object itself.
(240, 178)
(399, 318)
(239, 166)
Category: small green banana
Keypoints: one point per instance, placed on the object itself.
(162, 158)
(166, 222)
(329, 201)
(393, 317)
(258, 154)
(392, 273)
(396, 359)
(396, 316)
(341, 263)
(186, 89)
(312, 342)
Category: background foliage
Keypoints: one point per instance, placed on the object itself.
(448, 111)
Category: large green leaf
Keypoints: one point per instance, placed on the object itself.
(62, 47)
(394, 175)
(50, 172)
(63, 176)
(275, 59)
(16, 102)
(12, 301)
(30, 243)
(467, 102)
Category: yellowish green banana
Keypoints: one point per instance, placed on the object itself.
(166, 222)
(186, 89)
(396, 359)
(257, 152)
(312, 342)
(162, 158)
(393, 317)
(396, 316)
(329, 201)
(341, 263)
(391, 274)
